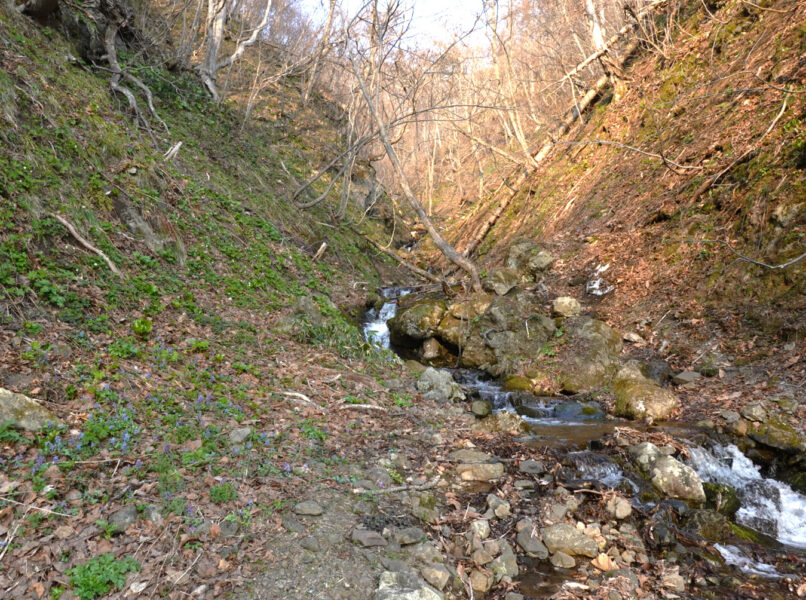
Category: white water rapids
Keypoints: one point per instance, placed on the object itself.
(768, 506)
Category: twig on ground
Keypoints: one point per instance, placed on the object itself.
(10, 537)
(400, 488)
(744, 258)
(69, 226)
(302, 398)
(668, 163)
(362, 407)
(32, 507)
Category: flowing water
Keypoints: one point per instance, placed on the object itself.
(768, 506)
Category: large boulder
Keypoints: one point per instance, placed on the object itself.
(590, 357)
(24, 412)
(510, 330)
(416, 322)
(667, 474)
(439, 386)
(638, 397)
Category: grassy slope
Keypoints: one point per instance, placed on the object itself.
(151, 373)
(703, 107)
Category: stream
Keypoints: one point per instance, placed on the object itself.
(769, 507)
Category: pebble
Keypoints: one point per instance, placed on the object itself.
(619, 507)
(500, 507)
(368, 538)
(310, 543)
(408, 536)
(531, 544)
(686, 377)
(481, 528)
(436, 575)
(124, 517)
(480, 582)
(563, 560)
(532, 467)
(480, 471)
(238, 436)
(481, 557)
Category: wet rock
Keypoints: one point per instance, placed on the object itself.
(502, 421)
(506, 565)
(416, 322)
(501, 281)
(529, 541)
(24, 412)
(532, 467)
(594, 348)
(619, 507)
(667, 474)
(368, 538)
(572, 410)
(124, 517)
(565, 306)
(517, 383)
(721, 498)
(562, 560)
(308, 508)
(480, 471)
(481, 408)
(686, 377)
(437, 576)
(754, 412)
(402, 585)
(238, 436)
(638, 397)
(708, 524)
(567, 538)
(777, 434)
(439, 386)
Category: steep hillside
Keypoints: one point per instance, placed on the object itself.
(707, 143)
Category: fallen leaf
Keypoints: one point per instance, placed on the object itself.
(604, 563)
(215, 530)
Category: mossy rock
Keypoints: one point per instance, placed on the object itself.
(777, 434)
(708, 524)
(721, 498)
(517, 383)
(417, 322)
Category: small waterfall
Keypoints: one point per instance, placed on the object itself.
(375, 328)
(768, 506)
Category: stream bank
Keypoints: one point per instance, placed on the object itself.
(593, 505)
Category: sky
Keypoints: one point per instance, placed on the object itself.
(432, 20)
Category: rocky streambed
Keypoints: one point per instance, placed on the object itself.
(575, 482)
